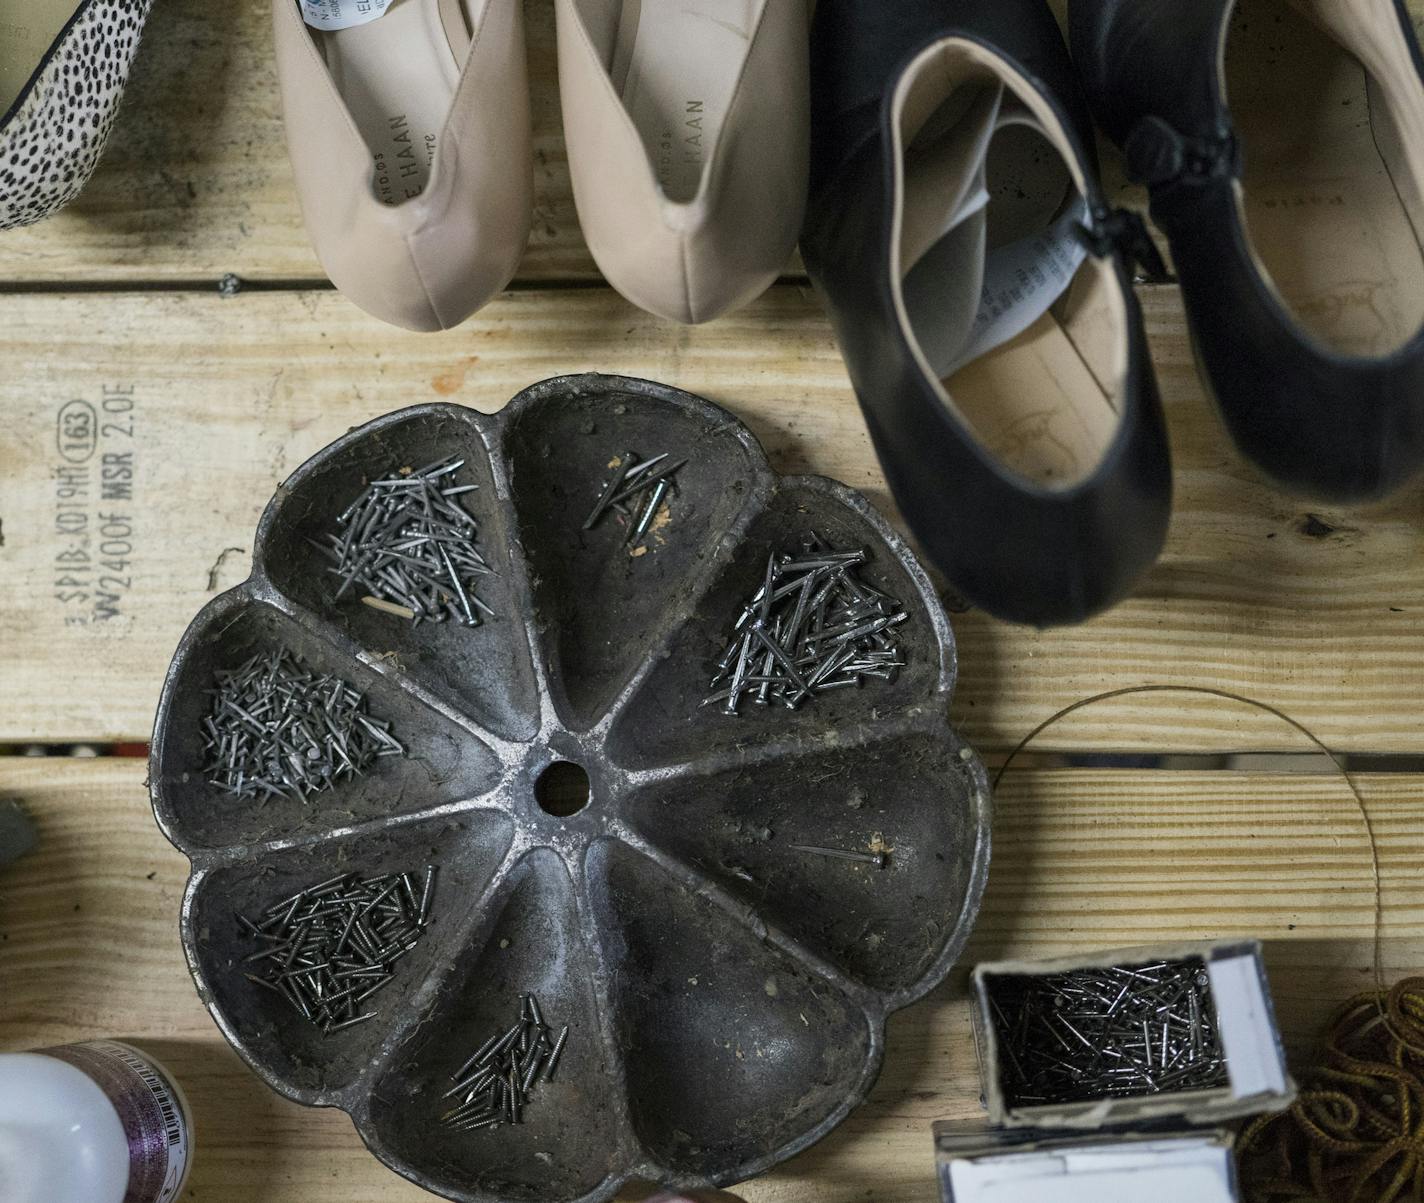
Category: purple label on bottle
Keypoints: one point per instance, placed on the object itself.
(152, 1113)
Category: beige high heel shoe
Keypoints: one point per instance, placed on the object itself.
(687, 128)
(410, 143)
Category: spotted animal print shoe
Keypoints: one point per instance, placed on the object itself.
(63, 67)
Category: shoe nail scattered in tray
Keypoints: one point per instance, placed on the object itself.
(493, 1085)
(408, 547)
(329, 948)
(639, 915)
(635, 493)
(279, 730)
(810, 628)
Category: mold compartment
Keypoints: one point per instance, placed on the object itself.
(529, 943)
(733, 1050)
(910, 796)
(484, 671)
(442, 762)
(271, 1033)
(599, 600)
(665, 721)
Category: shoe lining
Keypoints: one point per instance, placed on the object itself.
(1333, 155)
(28, 29)
(398, 75)
(676, 65)
(1021, 329)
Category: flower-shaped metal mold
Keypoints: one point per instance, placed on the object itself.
(726, 994)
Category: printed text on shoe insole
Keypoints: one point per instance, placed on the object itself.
(400, 173)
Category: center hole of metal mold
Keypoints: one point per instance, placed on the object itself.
(562, 789)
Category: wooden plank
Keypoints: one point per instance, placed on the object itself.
(1313, 609)
(1083, 860)
(196, 182)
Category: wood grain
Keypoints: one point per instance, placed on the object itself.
(1313, 609)
(1083, 860)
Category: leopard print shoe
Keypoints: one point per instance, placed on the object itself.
(63, 67)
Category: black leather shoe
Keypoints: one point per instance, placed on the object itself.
(1289, 180)
(981, 290)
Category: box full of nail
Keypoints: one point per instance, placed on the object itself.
(976, 1164)
(1180, 1033)
(1107, 1077)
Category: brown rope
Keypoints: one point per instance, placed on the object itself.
(1355, 1134)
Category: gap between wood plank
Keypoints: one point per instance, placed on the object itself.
(204, 286)
(1312, 763)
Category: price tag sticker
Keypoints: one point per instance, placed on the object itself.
(342, 14)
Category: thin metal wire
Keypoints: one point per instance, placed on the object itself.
(1275, 712)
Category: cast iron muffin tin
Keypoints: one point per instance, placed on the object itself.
(727, 995)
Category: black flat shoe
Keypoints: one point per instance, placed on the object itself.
(981, 290)
(1289, 179)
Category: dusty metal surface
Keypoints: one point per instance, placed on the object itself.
(726, 993)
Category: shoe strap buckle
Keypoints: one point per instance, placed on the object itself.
(1123, 231)
(1158, 155)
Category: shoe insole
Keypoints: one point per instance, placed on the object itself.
(398, 76)
(28, 29)
(1001, 304)
(1041, 402)
(1037, 404)
(1322, 209)
(676, 64)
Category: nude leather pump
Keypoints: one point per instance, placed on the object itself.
(687, 130)
(410, 144)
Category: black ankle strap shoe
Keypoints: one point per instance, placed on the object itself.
(1283, 145)
(981, 289)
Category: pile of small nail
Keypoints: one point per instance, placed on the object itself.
(493, 1085)
(327, 949)
(1118, 1032)
(408, 547)
(813, 626)
(279, 730)
(635, 492)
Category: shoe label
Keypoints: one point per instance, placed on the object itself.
(342, 14)
(1022, 282)
(963, 298)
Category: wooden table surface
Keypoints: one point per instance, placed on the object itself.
(1315, 609)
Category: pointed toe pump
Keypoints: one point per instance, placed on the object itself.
(63, 69)
(686, 125)
(410, 146)
(1283, 145)
(981, 290)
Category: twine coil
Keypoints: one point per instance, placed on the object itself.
(1355, 1133)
